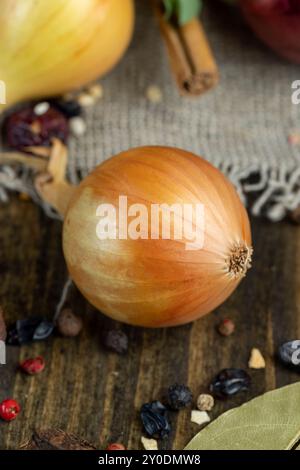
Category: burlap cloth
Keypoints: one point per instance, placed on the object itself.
(242, 126)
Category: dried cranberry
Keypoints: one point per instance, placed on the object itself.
(33, 366)
(229, 382)
(24, 128)
(179, 396)
(29, 329)
(116, 446)
(117, 341)
(289, 354)
(155, 419)
(9, 409)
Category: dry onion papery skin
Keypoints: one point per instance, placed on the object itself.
(51, 47)
(156, 283)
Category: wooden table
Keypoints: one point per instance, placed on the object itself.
(97, 395)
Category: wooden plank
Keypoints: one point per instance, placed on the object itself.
(97, 395)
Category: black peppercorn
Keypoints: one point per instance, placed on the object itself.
(117, 341)
(179, 396)
(155, 419)
(229, 382)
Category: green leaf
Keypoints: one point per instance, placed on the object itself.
(184, 10)
(187, 10)
(269, 422)
(169, 6)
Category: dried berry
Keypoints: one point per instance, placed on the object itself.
(25, 128)
(69, 324)
(205, 402)
(116, 446)
(226, 327)
(117, 341)
(289, 354)
(179, 396)
(2, 326)
(29, 329)
(70, 108)
(155, 419)
(33, 366)
(229, 382)
(9, 409)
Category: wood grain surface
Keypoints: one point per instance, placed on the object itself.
(96, 394)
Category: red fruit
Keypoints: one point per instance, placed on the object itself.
(25, 128)
(33, 366)
(277, 23)
(116, 446)
(9, 409)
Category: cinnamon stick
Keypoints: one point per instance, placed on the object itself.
(52, 185)
(190, 55)
(31, 161)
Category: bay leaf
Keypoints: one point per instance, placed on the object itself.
(268, 422)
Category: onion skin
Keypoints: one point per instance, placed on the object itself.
(277, 24)
(155, 283)
(49, 48)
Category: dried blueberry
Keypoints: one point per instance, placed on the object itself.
(117, 341)
(155, 419)
(70, 108)
(289, 353)
(29, 329)
(25, 128)
(229, 382)
(179, 396)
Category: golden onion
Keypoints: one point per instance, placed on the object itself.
(51, 47)
(157, 282)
